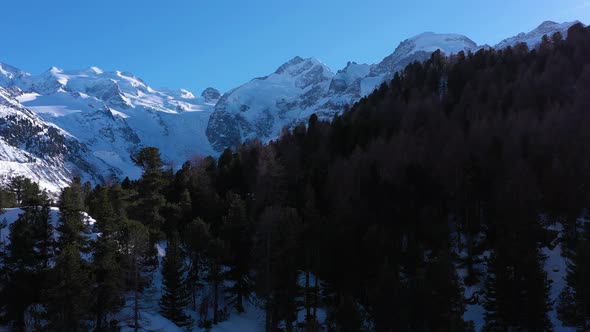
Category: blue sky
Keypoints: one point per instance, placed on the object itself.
(221, 43)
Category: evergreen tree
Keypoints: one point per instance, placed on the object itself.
(196, 240)
(216, 254)
(108, 287)
(27, 258)
(175, 297)
(67, 302)
(573, 306)
(68, 299)
(237, 233)
(135, 244)
(73, 227)
(150, 200)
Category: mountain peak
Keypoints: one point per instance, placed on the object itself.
(446, 42)
(547, 24)
(419, 48)
(298, 62)
(533, 38)
(54, 70)
(210, 94)
(95, 70)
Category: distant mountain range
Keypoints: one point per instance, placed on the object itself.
(63, 123)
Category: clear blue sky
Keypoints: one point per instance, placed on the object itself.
(221, 43)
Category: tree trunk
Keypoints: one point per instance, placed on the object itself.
(307, 300)
(215, 301)
(135, 295)
(315, 298)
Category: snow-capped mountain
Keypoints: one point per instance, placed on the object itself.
(533, 38)
(104, 117)
(114, 114)
(301, 87)
(33, 148)
(263, 106)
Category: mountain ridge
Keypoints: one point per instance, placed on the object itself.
(112, 114)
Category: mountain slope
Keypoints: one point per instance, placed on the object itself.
(301, 87)
(31, 147)
(116, 113)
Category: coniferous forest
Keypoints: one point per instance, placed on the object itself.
(452, 176)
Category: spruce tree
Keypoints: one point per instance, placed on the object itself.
(108, 287)
(175, 297)
(196, 240)
(68, 301)
(237, 233)
(216, 254)
(150, 200)
(135, 244)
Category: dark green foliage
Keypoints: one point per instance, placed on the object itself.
(73, 228)
(26, 260)
(175, 296)
(149, 201)
(107, 258)
(196, 242)
(236, 232)
(68, 299)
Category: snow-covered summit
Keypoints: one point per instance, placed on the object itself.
(9, 73)
(421, 46)
(261, 107)
(533, 38)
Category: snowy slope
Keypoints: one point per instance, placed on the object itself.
(114, 114)
(32, 147)
(261, 107)
(10, 215)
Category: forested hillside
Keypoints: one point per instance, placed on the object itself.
(452, 176)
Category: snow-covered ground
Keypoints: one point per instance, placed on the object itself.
(10, 215)
(555, 266)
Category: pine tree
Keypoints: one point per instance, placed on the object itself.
(67, 302)
(150, 200)
(516, 291)
(21, 264)
(108, 288)
(237, 233)
(27, 257)
(73, 228)
(135, 243)
(216, 254)
(175, 297)
(196, 240)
